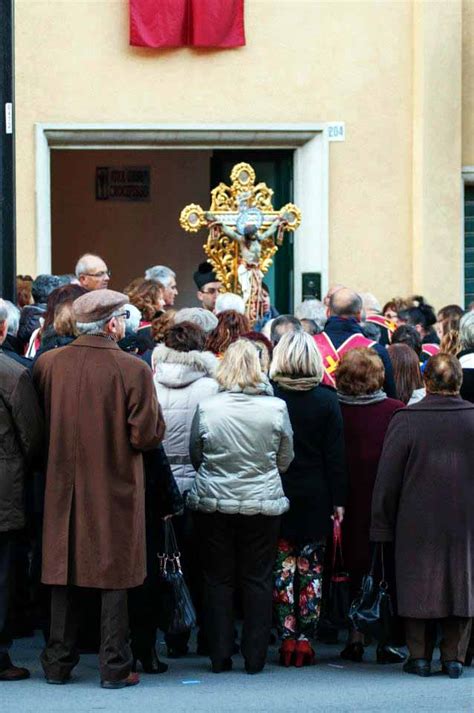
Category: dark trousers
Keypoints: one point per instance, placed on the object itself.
(61, 654)
(421, 637)
(238, 551)
(6, 563)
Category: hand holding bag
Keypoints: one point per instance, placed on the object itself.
(176, 610)
(339, 597)
(372, 611)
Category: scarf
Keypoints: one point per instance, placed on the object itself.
(298, 383)
(363, 399)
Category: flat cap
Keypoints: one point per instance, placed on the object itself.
(97, 305)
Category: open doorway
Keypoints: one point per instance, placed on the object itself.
(125, 206)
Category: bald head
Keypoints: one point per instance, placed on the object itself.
(345, 303)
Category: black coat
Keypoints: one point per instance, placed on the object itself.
(316, 480)
(29, 321)
(423, 500)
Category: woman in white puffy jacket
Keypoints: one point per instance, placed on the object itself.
(241, 440)
(183, 376)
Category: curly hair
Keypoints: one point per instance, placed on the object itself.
(148, 298)
(230, 326)
(160, 325)
(360, 372)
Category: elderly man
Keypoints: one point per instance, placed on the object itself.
(21, 425)
(342, 332)
(166, 276)
(102, 412)
(208, 285)
(92, 272)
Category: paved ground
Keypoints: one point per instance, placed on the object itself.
(190, 687)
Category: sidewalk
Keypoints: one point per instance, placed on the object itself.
(190, 687)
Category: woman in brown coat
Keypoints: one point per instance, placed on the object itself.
(423, 501)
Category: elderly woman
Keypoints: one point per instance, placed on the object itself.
(466, 355)
(315, 484)
(366, 412)
(241, 440)
(423, 501)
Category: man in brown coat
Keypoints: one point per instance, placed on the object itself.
(102, 413)
(424, 500)
(21, 430)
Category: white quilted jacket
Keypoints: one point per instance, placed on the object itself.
(182, 381)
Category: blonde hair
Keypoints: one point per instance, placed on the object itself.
(240, 366)
(296, 355)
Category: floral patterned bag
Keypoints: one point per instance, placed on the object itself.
(339, 596)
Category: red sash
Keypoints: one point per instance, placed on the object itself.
(430, 349)
(332, 356)
(382, 321)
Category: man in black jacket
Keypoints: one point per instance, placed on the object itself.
(21, 426)
(344, 312)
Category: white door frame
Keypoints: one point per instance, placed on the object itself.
(311, 172)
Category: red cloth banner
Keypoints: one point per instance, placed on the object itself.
(187, 23)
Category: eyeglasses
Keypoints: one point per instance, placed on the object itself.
(125, 314)
(102, 273)
(210, 291)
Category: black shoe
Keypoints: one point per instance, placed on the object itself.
(468, 659)
(420, 667)
(58, 681)
(221, 666)
(388, 654)
(453, 669)
(150, 662)
(176, 652)
(353, 652)
(252, 669)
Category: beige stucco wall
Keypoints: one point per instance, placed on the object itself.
(468, 83)
(305, 61)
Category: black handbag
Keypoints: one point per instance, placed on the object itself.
(339, 595)
(176, 611)
(372, 611)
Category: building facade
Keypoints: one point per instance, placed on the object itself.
(385, 210)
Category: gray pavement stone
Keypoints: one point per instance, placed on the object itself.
(190, 687)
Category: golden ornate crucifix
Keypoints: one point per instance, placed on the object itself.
(244, 233)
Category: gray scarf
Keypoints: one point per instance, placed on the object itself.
(363, 399)
(302, 383)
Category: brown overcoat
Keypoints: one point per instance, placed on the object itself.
(102, 412)
(424, 500)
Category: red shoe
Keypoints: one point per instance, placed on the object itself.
(305, 655)
(287, 651)
(131, 680)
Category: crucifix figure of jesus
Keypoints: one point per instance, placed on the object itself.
(244, 234)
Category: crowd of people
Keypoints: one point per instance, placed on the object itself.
(119, 411)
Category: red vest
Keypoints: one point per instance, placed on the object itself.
(430, 349)
(382, 321)
(332, 356)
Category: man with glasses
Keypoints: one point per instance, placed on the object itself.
(102, 412)
(92, 272)
(208, 286)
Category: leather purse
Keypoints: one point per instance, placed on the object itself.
(339, 595)
(372, 611)
(176, 613)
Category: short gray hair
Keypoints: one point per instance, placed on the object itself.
(466, 331)
(133, 322)
(13, 317)
(370, 302)
(83, 262)
(96, 327)
(229, 300)
(197, 315)
(160, 273)
(313, 309)
(296, 355)
(3, 311)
